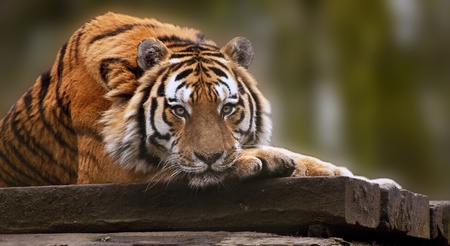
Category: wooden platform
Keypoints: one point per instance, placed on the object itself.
(342, 207)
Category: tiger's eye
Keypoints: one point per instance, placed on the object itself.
(179, 111)
(227, 109)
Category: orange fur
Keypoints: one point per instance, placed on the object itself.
(135, 100)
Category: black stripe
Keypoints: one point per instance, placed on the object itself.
(9, 182)
(165, 74)
(154, 140)
(193, 47)
(180, 86)
(77, 42)
(59, 72)
(164, 115)
(258, 116)
(3, 156)
(242, 91)
(224, 67)
(45, 82)
(25, 139)
(60, 67)
(38, 150)
(241, 87)
(153, 106)
(65, 108)
(219, 72)
(143, 152)
(156, 134)
(183, 74)
(104, 69)
(252, 110)
(119, 30)
(241, 118)
(198, 70)
(225, 84)
(177, 66)
(13, 151)
(161, 89)
(240, 102)
(174, 38)
(214, 54)
(205, 71)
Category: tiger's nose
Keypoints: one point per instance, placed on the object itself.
(209, 159)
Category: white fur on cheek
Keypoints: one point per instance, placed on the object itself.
(122, 137)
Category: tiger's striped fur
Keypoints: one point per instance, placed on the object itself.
(133, 100)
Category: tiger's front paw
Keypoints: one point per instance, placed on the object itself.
(311, 166)
(278, 162)
(263, 163)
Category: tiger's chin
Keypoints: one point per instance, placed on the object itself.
(206, 179)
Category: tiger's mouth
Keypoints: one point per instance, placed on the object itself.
(207, 175)
(199, 174)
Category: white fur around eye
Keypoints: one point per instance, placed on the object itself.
(231, 83)
(171, 87)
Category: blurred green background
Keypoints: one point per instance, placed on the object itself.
(363, 84)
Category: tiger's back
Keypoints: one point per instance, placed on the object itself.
(54, 127)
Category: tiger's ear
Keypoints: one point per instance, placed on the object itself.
(151, 52)
(239, 50)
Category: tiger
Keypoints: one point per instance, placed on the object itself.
(133, 100)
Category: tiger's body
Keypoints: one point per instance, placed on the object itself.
(136, 100)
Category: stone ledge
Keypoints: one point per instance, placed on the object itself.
(320, 207)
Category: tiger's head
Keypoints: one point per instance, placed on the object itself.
(194, 109)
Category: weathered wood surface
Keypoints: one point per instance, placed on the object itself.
(319, 207)
(405, 212)
(440, 221)
(279, 204)
(170, 238)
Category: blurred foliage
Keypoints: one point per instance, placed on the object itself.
(364, 84)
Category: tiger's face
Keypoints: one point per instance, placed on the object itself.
(194, 110)
(203, 113)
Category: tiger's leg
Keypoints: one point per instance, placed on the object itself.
(269, 161)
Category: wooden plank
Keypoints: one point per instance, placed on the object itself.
(440, 221)
(285, 205)
(166, 239)
(405, 212)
